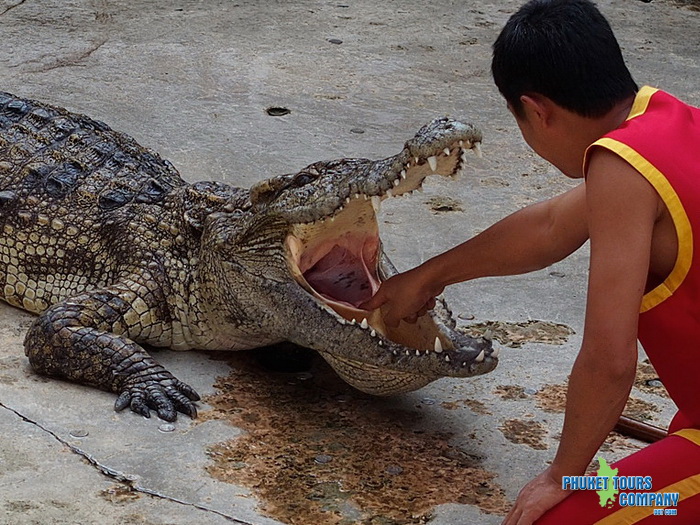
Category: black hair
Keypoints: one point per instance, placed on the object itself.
(564, 50)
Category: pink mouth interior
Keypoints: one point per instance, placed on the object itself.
(346, 274)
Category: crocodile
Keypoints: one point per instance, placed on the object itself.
(113, 250)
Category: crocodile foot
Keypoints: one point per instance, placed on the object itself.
(158, 390)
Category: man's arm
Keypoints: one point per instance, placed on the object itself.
(622, 210)
(529, 239)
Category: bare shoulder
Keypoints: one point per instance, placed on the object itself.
(613, 183)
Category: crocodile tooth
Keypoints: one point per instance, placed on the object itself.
(397, 182)
(403, 174)
(380, 342)
(480, 357)
(353, 322)
(373, 333)
(461, 143)
(418, 352)
(464, 363)
(364, 324)
(416, 159)
(438, 345)
(477, 149)
(447, 358)
(408, 164)
(407, 352)
(395, 352)
(357, 195)
(433, 162)
(341, 321)
(446, 151)
(496, 352)
(376, 203)
(389, 193)
(347, 200)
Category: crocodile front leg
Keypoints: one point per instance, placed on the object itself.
(88, 339)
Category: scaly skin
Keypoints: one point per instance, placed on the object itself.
(112, 249)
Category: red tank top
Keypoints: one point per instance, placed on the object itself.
(661, 140)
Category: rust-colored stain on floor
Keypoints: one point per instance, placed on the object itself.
(616, 442)
(476, 406)
(552, 398)
(315, 451)
(510, 392)
(647, 379)
(530, 433)
(442, 204)
(119, 493)
(514, 335)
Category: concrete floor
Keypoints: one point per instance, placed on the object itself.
(192, 79)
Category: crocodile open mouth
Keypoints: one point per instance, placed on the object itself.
(337, 259)
(338, 262)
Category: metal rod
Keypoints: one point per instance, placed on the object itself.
(637, 429)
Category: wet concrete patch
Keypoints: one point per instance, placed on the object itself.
(317, 451)
(515, 335)
(530, 433)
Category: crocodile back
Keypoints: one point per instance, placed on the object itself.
(75, 198)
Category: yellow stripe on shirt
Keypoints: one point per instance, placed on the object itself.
(680, 220)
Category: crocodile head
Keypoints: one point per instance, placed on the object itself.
(312, 243)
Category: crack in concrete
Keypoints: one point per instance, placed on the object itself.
(129, 480)
(13, 6)
(67, 61)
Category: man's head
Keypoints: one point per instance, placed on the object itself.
(564, 50)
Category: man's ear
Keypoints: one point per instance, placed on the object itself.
(537, 108)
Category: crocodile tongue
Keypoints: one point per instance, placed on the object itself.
(342, 276)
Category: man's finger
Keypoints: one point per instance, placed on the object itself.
(375, 302)
(389, 319)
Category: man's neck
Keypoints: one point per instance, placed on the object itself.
(588, 130)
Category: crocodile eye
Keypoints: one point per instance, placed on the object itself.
(303, 179)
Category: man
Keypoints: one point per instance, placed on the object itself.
(560, 69)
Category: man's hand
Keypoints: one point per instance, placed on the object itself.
(404, 296)
(536, 498)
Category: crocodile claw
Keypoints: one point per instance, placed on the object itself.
(165, 394)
